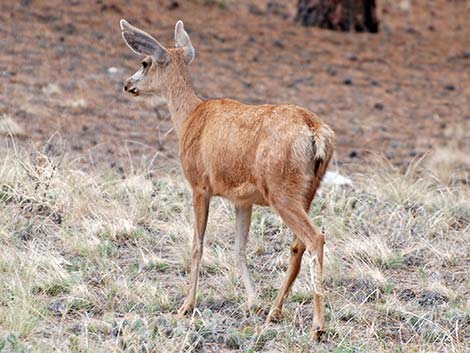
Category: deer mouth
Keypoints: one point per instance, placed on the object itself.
(134, 91)
(131, 89)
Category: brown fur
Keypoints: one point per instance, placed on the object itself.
(270, 155)
(248, 153)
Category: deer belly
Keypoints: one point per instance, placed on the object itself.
(243, 194)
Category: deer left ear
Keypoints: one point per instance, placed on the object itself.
(182, 41)
(142, 43)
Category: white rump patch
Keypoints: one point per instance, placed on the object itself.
(322, 137)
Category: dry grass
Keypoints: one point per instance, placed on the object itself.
(98, 261)
(10, 127)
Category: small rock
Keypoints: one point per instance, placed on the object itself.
(375, 83)
(173, 5)
(353, 58)
(353, 154)
(450, 87)
(379, 106)
(348, 81)
(279, 43)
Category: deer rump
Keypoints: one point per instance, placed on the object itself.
(247, 153)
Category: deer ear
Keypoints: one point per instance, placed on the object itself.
(182, 41)
(143, 43)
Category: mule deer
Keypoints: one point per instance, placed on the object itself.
(269, 155)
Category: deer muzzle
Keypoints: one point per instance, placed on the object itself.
(129, 87)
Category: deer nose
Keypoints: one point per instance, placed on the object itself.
(129, 87)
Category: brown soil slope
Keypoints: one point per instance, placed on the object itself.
(398, 93)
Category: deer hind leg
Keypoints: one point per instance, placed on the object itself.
(297, 250)
(201, 213)
(243, 220)
(296, 218)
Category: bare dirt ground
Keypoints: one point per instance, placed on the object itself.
(399, 93)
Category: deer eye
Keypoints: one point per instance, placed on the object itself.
(145, 64)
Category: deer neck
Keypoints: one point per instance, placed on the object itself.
(182, 100)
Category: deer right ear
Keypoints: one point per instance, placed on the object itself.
(143, 43)
(182, 41)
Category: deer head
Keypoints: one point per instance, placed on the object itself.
(160, 66)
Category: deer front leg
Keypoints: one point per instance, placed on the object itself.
(201, 212)
(243, 220)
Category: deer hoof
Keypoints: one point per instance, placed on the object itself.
(318, 333)
(275, 314)
(185, 310)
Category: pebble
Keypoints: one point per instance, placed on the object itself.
(379, 106)
(450, 87)
(173, 5)
(279, 43)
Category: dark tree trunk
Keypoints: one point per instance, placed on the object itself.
(342, 15)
